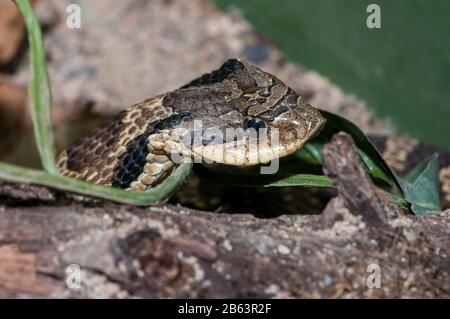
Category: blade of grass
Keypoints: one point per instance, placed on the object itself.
(16, 174)
(305, 180)
(39, 89)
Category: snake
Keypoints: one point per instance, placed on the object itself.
(237, 115)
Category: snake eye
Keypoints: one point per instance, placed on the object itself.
(255, 123)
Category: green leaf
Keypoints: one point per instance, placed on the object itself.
(374, 169)
(305, 180)
(372, 159)
(39, 89)
(421, 187)
(233, 177)
(311, 152)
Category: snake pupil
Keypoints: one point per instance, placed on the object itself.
(256, 123)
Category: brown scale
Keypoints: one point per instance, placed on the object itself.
(95, 156)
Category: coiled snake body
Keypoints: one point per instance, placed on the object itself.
(135, 149)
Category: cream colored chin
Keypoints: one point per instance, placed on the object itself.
(237, 153)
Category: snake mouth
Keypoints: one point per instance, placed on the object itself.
(280, 151)
(249, 151)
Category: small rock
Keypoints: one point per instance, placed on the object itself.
(284, 250)
(327, 280)
(227, 245)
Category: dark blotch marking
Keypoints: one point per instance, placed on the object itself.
(131, 163)
(231, 69)
(216, 76)
(171, 121)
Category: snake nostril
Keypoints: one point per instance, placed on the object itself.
(208, 139)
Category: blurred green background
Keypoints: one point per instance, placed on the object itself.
(402, 69)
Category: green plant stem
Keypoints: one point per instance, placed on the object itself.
(39, 89)
(16, 174)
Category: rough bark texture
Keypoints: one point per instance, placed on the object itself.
(171, 251)
(343, 165)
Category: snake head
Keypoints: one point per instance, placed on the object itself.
(271, 131)
(244, 116)
(291, 124)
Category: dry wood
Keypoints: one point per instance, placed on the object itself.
(171, 251)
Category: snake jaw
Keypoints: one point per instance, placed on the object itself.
(249, 150)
